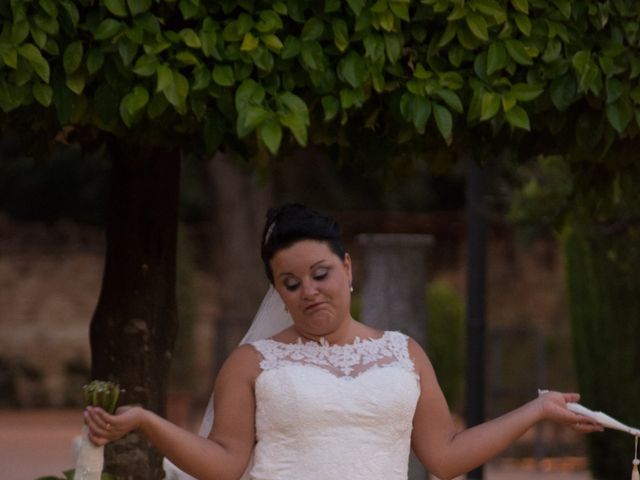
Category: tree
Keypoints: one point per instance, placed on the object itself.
(150, 77)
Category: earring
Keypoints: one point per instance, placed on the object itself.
(351, 288)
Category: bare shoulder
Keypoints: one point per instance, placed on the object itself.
(419, 357)
(244, 362)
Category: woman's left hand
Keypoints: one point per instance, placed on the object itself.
(553, 407)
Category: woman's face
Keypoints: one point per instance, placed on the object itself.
(314, 285)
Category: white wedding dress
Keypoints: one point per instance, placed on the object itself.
(334, 412)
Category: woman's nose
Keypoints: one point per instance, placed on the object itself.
(309, 289)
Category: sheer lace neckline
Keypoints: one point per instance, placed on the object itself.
(323, 342)
(347, 360)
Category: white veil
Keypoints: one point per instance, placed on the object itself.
(271, 318)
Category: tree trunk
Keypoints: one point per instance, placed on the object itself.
(134, 326)
(604, 301)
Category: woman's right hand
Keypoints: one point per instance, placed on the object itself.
(105, 428)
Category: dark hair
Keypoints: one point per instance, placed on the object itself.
(292, 223)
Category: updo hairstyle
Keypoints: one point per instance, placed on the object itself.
(292, 223)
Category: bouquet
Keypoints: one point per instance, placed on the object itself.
(91, 457)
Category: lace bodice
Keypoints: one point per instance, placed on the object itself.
(332, 412)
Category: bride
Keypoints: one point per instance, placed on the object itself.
(323, 396)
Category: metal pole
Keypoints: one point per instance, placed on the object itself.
(476, 287)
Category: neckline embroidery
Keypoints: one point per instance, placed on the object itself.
(322, 341)
(348, 360)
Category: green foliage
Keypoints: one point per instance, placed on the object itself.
(445, 339)
(170, 69)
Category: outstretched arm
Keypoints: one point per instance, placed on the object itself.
(225, 454)
(449, 453)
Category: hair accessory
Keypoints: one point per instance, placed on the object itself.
(269, 232)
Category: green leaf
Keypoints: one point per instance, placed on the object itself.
(76, 82)
(478, 25)
(296, 126)
(488, 7)
(39, 37)
(272, 42)
(136, 7)
(615, 89)
(107, 29)
(46, 23)
(72, 12)
(208, 39)
(564, 6)
(95, 60)
(127, 50)
(269, 22)
(449, 34)
(19, 31)
(490, 106)
(157, 105)
(523, 22)
(177, 91)
(444, 121)
(331, 106)
(249, 93)
(518, 52)
(521, 5)
(340, 34)
(312, 30)
(72, 58)
(43, 93)
(263, 59)
(580, 60)
(353, 69)
(374, 46)
(249, 42)
(393, 46)
(508, 101)
(10, 57)
(400, 9)
(249, 119)
(312, 55)
(526, 92)
(386, 20)
(49, 6)
(223, 75)
(165, 78)
(518, 118)
(116, 7)
(420, 112)
(132, 104)
(190, 38)
(356, 6)
(496, 57)
(31, 53)
(292, 48)
(295, 105)
(619, 114)
(563, 91)
(270, 133)
(450, 98)
(146, 65)
(201, 78)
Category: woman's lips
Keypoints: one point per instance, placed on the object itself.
(313, 306)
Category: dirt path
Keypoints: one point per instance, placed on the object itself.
(35, 443)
